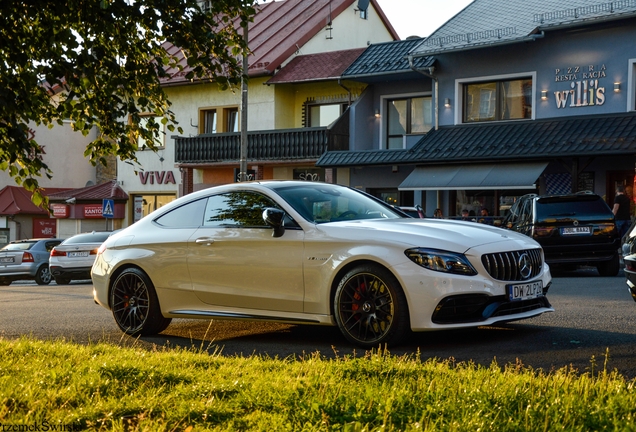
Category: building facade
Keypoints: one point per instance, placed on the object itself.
(537, 98)
(290, 123)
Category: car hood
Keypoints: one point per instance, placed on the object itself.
(450, 235)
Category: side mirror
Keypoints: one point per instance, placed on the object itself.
(275, 218)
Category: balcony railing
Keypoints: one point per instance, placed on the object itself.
(270, 145)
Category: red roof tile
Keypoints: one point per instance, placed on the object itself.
(279, 29)
(316, 67)
(17, 200)
(109, 190)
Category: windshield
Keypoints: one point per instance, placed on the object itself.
(322, 203)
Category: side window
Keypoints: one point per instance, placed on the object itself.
(237, 209)
(189, 215)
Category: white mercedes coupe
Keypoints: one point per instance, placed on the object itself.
(315, 253)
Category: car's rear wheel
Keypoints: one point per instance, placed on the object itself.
(609, 268)
(135, 305)
(370, 307)
(43, 275)
(62, 280)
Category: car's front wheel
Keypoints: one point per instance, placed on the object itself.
(370, 307)
(43, 275)
(135, 305)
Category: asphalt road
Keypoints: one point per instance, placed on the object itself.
(595, 316)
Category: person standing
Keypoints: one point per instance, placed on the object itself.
(621, 211)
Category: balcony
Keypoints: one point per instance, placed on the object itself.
(264, 146)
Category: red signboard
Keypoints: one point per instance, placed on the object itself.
(60, 211)
(92, 211)
(44, 228)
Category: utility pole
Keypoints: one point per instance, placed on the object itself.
(243, 154)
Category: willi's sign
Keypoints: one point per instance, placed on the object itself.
(585, 88)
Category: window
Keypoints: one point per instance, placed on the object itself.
(237, 209)
(189, 215)
(218, 120)
(324, 115)
(407, 116)
(231, 114)
(498, 100)
(209, 121)
(152, 123)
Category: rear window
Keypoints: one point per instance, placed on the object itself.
(98, 237)
(553, 207)
(19, 246)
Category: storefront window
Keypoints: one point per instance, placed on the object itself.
(498, 100)
(146, 204)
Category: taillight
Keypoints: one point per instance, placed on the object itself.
(94, 251)
(27, 257)
(55, 252)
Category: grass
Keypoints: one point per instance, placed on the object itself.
(65, 386)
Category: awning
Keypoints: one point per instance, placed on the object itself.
(477, 176)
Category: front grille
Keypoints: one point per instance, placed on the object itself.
(505, 265)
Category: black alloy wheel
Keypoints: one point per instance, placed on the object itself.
(135, 306)
(370, 307)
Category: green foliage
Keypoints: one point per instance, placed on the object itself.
(106, 387)
(99, 64)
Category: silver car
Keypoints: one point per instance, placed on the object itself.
(73, 258)
(27, 260)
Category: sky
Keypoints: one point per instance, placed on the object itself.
(420, 17)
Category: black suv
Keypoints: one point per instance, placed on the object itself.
(576, 229)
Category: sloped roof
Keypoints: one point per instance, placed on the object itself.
(17, 200)
(316, 67)
(109, 190)
(279, 29)
(387, 58)
(494, 22)
(583, 136)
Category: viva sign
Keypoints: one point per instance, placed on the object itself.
(585, 89)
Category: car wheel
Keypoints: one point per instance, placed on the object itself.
(610, 267)
(370, 307)
(135, 305)
(62, 280)
(43, 276)
(4, 282)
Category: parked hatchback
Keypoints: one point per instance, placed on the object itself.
(73, 258)
(576, 229)
(27, 260)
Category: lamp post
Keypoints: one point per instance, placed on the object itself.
(243, 154)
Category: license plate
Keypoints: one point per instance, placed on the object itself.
(525, 291)
(6, 260)
(77, 254)
(578, 230)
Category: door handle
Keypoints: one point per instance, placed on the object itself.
(207, 241)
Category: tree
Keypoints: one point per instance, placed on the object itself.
(98, 63)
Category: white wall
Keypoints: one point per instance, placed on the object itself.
(64, 150)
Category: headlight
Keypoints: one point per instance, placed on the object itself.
(442, 261)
